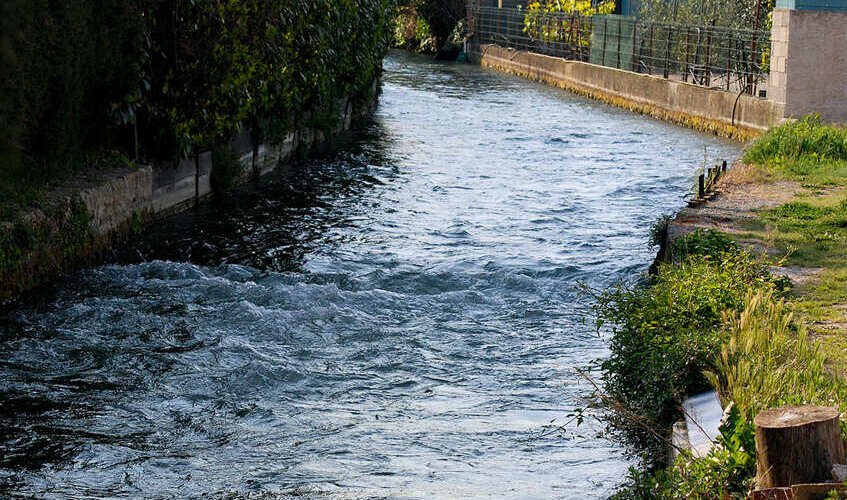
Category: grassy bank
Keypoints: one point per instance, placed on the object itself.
(722, 314)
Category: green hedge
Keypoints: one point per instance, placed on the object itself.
(66, 65)
(82, 76)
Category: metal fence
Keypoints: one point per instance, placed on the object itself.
(729, 59)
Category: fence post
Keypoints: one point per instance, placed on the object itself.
(620, 35)
(570, 32)
(709, 57)
(605, 30)
(668, 54)
(634, 66)
(687, 54)
(650, 53)
(728, 64)
(753, 71)
(579, 36)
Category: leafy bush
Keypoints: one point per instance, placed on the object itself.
(441, 16)
(665, 334)
(707, 243)
(727, 471)
(767, 360)
(82, 77)
(726, 13)
(226, 168)
(659, 231)
(66, 79)
(218, 65)
(412, 32)
(540, 26)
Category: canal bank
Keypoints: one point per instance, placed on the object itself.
(732, 115)
(749, 297)
(82, 218)
(396, 318)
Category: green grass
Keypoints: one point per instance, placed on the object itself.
(805, 150)
(811, 230)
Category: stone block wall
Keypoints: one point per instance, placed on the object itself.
(809, 62)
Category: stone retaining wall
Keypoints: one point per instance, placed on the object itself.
(123, 199)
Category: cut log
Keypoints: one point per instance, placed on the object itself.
(819, 491)
(797, 444)
(771, 494)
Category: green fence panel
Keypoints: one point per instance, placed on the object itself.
(612, 41)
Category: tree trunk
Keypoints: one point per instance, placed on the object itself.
(797, 444)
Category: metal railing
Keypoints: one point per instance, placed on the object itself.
(729, 59)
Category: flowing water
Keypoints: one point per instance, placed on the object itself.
(397, 318)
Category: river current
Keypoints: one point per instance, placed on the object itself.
(396, 318)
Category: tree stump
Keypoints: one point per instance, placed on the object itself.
(797, 444)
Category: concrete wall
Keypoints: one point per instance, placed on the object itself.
(809, 63)
(699, 107)
(175, 188)
(126, 195)
(123, 199)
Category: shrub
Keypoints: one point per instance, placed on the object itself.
(659, 231)
(705, 243)
(226, 168)
(82, 77)
(726, 13)
(412, 32)
(665, 334)
(727, 471)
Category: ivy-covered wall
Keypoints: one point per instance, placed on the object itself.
(159, 79)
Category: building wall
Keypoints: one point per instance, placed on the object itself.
(809, 62)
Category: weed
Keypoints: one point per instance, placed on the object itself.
(710, 244)
(659, 231)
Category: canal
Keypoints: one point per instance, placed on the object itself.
(396, 318)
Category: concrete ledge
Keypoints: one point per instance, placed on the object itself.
(127, 195)
(174, 186)
(702, 108)
(122, 200)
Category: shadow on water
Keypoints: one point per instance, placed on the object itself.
(274, 223)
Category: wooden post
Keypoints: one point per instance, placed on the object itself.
(797, 444)
(701, 186)
(723, 166)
